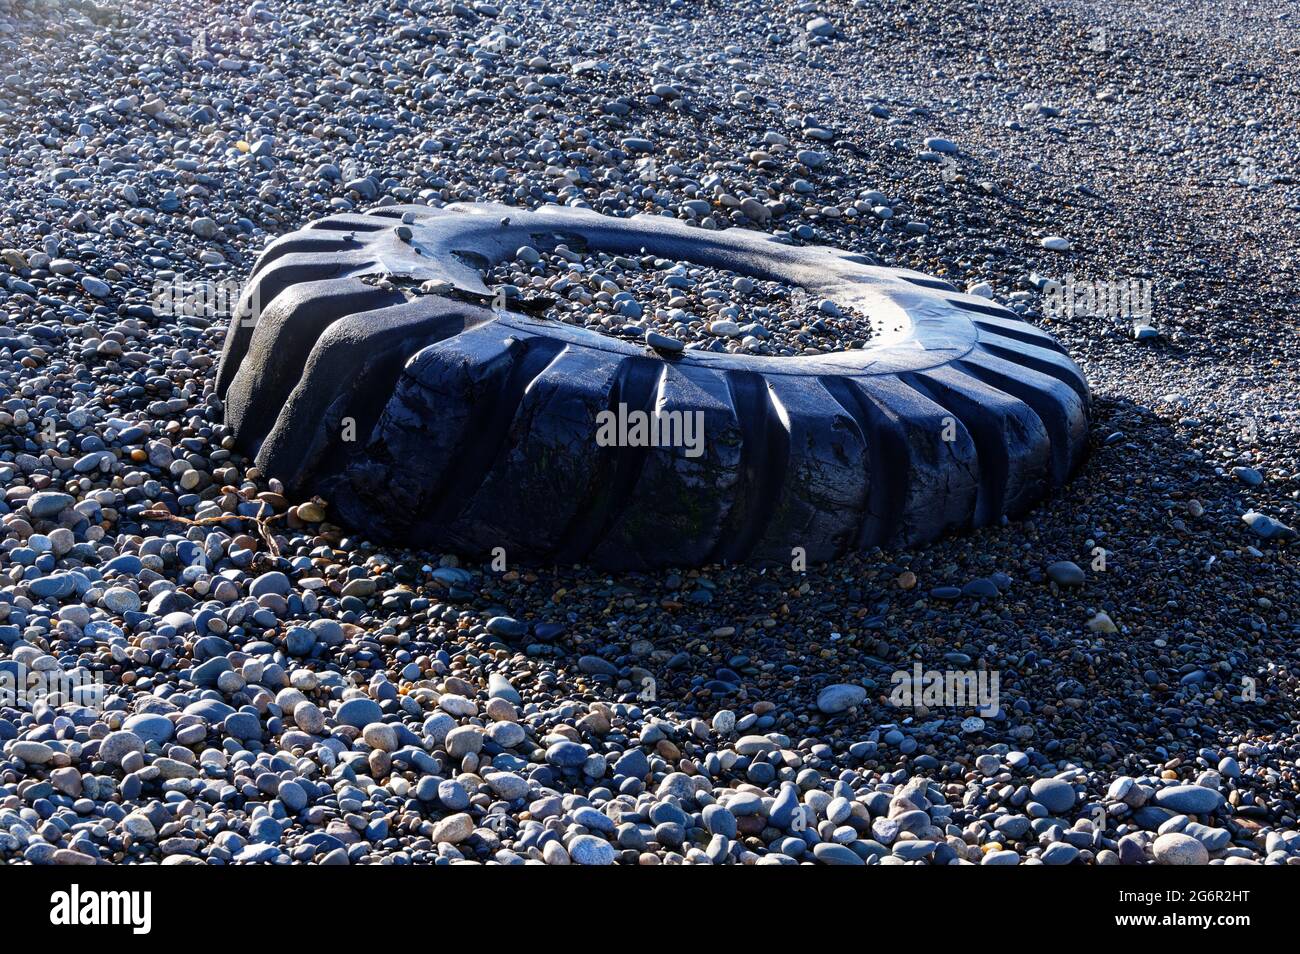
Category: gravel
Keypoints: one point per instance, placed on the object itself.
(699, 307)
(253, 685)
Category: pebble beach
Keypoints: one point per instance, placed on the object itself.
(243, 681)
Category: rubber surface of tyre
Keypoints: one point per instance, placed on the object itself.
(427, 419)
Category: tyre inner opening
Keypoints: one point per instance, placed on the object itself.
(706, 308)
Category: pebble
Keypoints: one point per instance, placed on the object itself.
(590, 850)
(116, 746)
(45, 505)
(1102, 623)
(1190, 799)
(566, 754)
(840, 698)
(453, 829)
(1053, 794)
(359, 713)
(1066, 573)
(663, 343)
(1268, 527)
(1178, 849)
(35, 753)
(119, 600)
(150, 727)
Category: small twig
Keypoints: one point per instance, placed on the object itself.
(261, 522)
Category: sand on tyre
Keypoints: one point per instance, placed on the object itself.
(368, 364)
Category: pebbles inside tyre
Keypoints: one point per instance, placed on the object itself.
(426, 418)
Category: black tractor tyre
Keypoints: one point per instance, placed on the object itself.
(366, 364)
